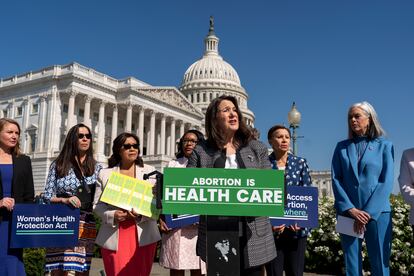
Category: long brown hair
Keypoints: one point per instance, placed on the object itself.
(214, 135)
(119, 141)
(70, 151)
(3, 121)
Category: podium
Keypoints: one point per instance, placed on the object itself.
(223, 248)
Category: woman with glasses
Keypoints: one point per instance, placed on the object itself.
(74, 170)
(128, 240)
(362, 181)
(16, 186)
(230, 144)
(178, 250)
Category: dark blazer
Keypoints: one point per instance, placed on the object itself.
(22, 183)
(260, 246)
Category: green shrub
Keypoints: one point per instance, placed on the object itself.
(34, 261)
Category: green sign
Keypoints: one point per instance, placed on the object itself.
(127, 192)
(230, 192)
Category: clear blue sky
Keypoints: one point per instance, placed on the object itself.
(325, 55)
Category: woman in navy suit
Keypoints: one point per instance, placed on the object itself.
(362, 180)
(16, 186)
(290, 239)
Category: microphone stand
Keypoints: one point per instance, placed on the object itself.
(158, 186)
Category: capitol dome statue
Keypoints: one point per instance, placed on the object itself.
(211, 77)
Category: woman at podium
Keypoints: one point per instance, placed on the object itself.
(230, 145)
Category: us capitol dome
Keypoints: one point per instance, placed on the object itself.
(211, 77)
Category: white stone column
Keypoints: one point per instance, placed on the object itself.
(25, 123)
(114, 132)
(42, 123)
(53, 126)
(140, 129)
(172, 135)
(87, 111)
(128, 119)
(158, 140)
(181, 129)
(71, 111)
(148, 144)
(100, 156)
(163, 134)
(152, 133)
(10, 112)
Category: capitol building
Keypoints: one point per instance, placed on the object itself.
(49, 101)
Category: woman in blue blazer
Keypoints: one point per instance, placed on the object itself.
(362, 180)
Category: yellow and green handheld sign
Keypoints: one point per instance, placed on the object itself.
(229, 192)
(127, 192)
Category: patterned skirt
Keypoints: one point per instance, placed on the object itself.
(78, 258)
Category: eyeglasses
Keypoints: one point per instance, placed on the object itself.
(128, 146)
(228, 109)
(190, 142)
(82, 135)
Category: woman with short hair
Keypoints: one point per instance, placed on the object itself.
(178, 247)
(290, 239)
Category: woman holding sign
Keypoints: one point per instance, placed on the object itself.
(362, 181)
(290, 239)
(71, 181)
(178, 245)
(230, 145)
(128, 239)
(16, 186)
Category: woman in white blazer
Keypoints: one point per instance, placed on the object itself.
(128, 240)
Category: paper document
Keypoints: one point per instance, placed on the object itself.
(127, 192)
(345, 225)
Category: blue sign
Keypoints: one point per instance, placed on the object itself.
(40, 225)
(301, 207)
(178, 221)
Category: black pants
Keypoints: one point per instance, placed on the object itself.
(253, 271)
(290, 255)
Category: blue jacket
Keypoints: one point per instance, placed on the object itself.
(367, 184)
